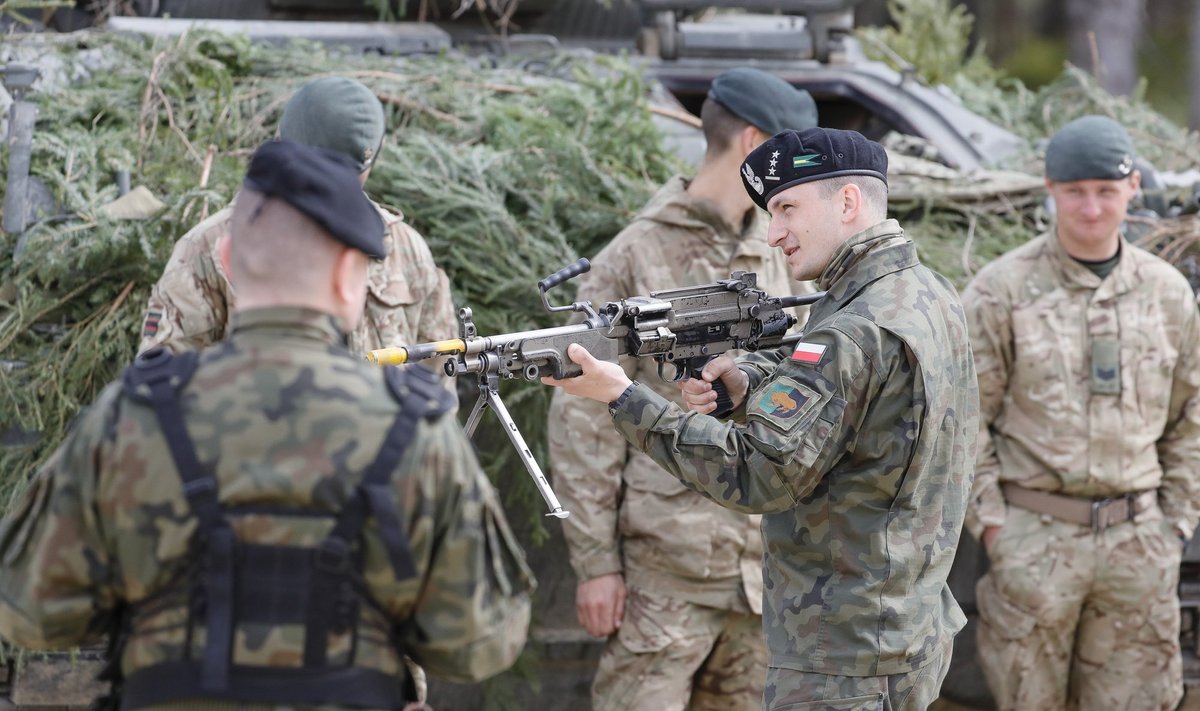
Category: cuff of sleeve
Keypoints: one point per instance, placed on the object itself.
(980, 516)
(594, 567)
(754, 374)
(636, 411)
(616, 404)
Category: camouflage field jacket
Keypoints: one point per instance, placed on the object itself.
(857, 447)
(408, 299)
(1087, 387)
(627, 515)
(287, 418)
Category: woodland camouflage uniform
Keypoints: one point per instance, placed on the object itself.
(272, 520)
(106, 521)
(408, 298)
(1088, 388)
(860, 464)
(692, 635)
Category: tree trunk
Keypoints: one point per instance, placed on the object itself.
(1117, 28)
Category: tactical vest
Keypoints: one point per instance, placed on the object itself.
(235, 582)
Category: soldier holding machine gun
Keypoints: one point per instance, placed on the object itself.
(857, 446)
(682, 329)
(681, 612)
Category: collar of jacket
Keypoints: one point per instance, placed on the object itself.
(1121, 279)
(674, 206)
(875, 252)
(289, 321)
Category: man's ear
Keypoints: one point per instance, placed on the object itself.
(852, 202)
(750, 138)
(350, 276)
(343, 275)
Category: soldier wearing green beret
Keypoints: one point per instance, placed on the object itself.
(855, 446)
(1088, 479)
(271, 522)
(681, 609)
(408, 295)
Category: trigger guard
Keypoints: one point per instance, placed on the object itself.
(678, 374)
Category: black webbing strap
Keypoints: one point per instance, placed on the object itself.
(165, 375)
(354, 687)
(372, 496)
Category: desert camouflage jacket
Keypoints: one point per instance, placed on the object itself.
(287, 418)
(408, 299)
(857, 448)
(1087, 387)
(627, 515)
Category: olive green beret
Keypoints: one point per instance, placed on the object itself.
(764, 101)
(338, 114)
(1089, 148)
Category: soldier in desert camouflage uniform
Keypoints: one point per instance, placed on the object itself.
(250, 519)
(689, 634)
(408, 295)
(1087, 480)
(856, 446)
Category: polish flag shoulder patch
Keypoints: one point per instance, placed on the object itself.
(808, 353)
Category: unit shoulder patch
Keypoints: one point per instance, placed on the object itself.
(783, 403)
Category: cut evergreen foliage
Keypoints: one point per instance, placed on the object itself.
(508, 173)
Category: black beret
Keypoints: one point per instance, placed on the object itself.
(324, 186)
(1089, 148)
(794, 157)
(763, 100)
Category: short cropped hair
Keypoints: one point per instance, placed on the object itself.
(874, 191)
(721, 126)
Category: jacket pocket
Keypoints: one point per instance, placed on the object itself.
(389, 291)
(651, 622)
(1007, 620)
(869, 702)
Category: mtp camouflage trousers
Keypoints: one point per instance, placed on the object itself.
(671, 655)
(1075, 619)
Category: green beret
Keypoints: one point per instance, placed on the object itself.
(337, 114)
(1089, 148)
(764, 101)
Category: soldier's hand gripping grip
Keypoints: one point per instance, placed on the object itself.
(581, 266)
(695, 369)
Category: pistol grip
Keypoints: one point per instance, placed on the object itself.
(724, 402)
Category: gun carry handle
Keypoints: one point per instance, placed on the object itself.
(580, 266)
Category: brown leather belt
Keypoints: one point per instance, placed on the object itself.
(1098, 514)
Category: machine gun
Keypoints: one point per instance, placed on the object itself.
(682, 329)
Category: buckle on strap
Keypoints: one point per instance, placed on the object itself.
(1101, 508)
(1099, 521)
(332, 555)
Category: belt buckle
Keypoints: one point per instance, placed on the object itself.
(1098, 506)
(1131, 498)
